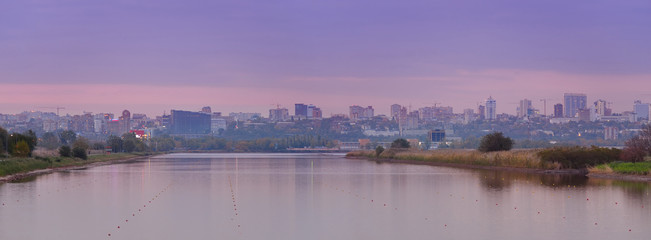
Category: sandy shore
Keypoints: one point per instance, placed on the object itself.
(19, 176)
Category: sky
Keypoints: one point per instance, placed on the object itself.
(247, 56)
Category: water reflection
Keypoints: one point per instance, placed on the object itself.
(302, 196)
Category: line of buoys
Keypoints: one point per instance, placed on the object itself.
(144, 205)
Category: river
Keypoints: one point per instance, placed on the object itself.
(316, 196)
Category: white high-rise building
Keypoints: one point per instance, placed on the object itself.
(491, 109)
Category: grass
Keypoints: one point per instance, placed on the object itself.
(515, 158)
(9, 166)
(640, 168)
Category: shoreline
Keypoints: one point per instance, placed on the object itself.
(19, 176)
(583, 172)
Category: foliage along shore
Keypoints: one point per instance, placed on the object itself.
(593, 161)
(525, 159)
(16, 168)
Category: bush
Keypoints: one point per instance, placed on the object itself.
(65, 151)
(579, 157)
(79, 152)
(21, 149)
(379, 150)
(495, 142)
(400, 143)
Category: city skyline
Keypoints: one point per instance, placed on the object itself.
(249, 56)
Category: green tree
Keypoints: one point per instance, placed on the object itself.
(4, 136)
(115, 143)
(67, 137)
(79, 152)
(82, 143)
(378, 151)
(400, 143)
(65, 151)
(495, 142)
(21, 149)
(28, 137)
(50, 141)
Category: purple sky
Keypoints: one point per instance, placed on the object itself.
(152, 56)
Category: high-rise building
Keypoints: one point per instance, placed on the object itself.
(524, 108)
(313, 112)
(361, 113)
(574, 102)
(300, 110)
(481, 110)
(185, 122)
(558, 110)
(641, 110)
(206, 110)
(602, 108)
(491, 109)
(395, 111)
(278, 114)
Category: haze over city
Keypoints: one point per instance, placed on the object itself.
(153, 56)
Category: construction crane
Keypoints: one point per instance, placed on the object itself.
(57, 108)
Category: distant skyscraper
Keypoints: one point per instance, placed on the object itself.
(601, 108)
(300, 110)
(185, 122)
(313, 112)
(558, 110)
(278, 114)
(206, 110)
(524, 108)
(481, 110)
(395, 111)
(491, 109)
(641, 110)
(574, 102)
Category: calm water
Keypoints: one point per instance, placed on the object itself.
(304, 196)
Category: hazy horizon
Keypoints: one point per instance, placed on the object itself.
(153, 56)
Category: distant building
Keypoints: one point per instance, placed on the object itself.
(558, 110)
(242, 116)
(601, 107)
(395, 111)
(491, 109)
(217, 122)
(481, 110)
(412, 120)
(524, 108)
(300, 110)
(641, 111)
(574, 102)
(278, 114)
(610, 133)
(468, 115)
(361, 113)
(186, 122)
(314, 112)
(206, 110)
(436, 135)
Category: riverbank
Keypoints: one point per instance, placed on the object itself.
(527, 161)
(12, 169)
